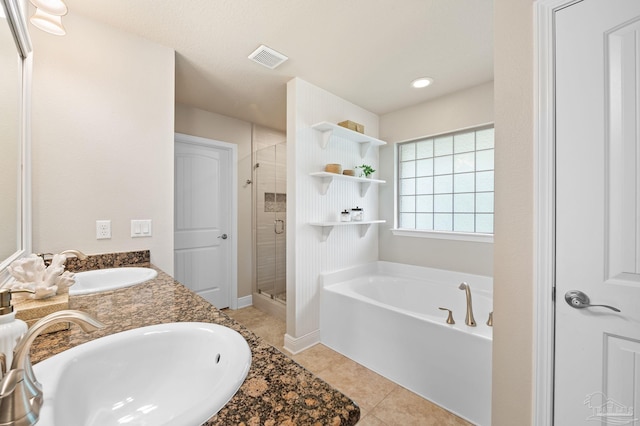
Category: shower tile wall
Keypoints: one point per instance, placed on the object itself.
(307, 255)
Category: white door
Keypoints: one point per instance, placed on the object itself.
(597, 360)
(203, 208)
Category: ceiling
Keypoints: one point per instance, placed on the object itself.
(365, 51)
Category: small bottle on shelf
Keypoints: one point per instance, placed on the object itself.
(357, 214)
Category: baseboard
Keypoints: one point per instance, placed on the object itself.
(298, 344)
(245, 301)
(272, 307)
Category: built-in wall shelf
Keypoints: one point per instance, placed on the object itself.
(327, 227)
(327, 178)
(329, 129)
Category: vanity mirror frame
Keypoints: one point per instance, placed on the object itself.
(15, 14)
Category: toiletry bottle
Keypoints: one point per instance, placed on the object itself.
(11, 328)
(345, 216)
(357, 214)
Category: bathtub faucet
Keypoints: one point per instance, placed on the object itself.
(469, 320)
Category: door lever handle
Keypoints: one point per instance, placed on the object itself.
(577, 299)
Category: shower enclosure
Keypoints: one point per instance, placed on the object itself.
(270, 201)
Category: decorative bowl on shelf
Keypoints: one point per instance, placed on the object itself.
(333, 168)
(349, 172)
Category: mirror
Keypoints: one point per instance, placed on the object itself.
(15, 60)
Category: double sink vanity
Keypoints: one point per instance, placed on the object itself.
(182, 347)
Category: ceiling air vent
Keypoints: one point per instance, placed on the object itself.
(267, 57)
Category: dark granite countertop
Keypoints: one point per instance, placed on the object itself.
(277, 391)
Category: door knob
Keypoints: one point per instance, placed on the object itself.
(223, 236)
(577, 299)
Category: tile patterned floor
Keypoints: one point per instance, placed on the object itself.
(382, 402)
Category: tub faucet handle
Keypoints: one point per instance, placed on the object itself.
(450, 316)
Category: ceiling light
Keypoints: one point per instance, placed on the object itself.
(52, 7)
(48, 23)
(421, 82)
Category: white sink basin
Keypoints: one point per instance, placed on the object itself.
(110, 279)
(167, 374)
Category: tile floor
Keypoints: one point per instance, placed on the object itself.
(381, 401)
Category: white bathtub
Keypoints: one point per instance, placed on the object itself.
(385, 316)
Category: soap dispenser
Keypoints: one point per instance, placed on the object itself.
(11, 328)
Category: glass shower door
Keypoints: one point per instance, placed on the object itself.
(271, 202)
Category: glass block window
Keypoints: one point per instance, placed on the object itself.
(445, 183)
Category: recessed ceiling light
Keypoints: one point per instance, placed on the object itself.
(421, 82)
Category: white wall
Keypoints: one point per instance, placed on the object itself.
(513, 330)
(307, 255)
(467, 108)
(197, 122)
(102, 122)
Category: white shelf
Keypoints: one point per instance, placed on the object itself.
(327, 227)
(353, 222)
(328, 129)
(327, 178)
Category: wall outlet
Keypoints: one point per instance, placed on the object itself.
(103, 229)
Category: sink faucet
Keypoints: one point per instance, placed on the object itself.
(47, 257)
(469, 320)
(80, 255)
(21, 395)
(77, 253)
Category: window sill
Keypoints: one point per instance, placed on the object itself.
(443, 235)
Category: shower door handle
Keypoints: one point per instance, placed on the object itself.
(275, 226)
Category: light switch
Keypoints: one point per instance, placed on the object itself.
(141, 228)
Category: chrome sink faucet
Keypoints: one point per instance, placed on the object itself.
(21, 395)
(469, 320)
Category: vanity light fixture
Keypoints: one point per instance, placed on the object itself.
(48, 16)
(421, 82)
(52, 7)
(49, 23)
